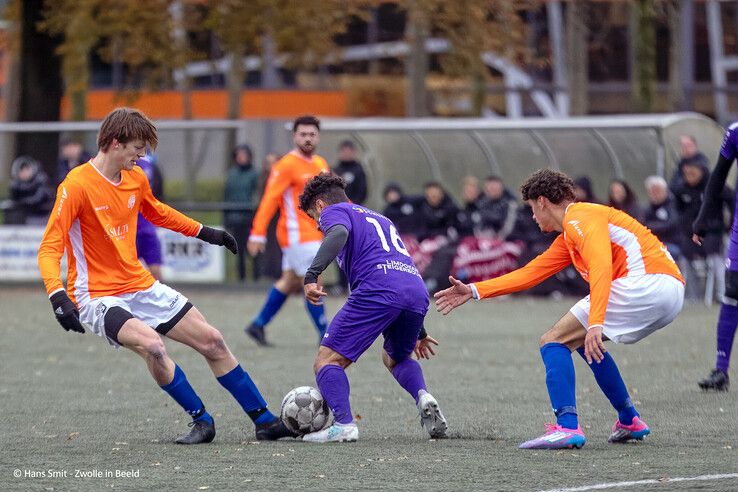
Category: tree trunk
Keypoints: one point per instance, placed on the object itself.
(40, 79)
(677, 97)
(416, 62)
(577, 57)
(234, 82)
(643, 74)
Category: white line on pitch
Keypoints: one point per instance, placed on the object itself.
(612, 485)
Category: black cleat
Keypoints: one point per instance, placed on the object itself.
(256, 332)
(717, 380)
(271, 431)
(201, 432)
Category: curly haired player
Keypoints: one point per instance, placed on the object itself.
(371, 254)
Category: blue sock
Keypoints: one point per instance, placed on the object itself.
(561, 383)
(181, 391)
(608, 378)
(272, 305)
(317, 313)
(239, 384)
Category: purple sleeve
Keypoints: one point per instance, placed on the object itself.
(729, 147)
(334, 215)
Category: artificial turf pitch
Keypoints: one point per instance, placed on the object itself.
(73, 405)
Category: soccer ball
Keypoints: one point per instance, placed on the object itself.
(304, 410)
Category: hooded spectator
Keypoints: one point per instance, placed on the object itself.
(437, 213)
(401, 210)
(352, 172)
(30, 192)
(240, 186)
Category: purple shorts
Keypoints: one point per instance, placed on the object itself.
(359, 322)
(149, 248)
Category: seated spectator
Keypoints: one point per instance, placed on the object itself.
(688, 151)
(351, 170)
(661, 216)
(583, 190)
(469, 219)
(437, 213)
(621, 197)
(401, 209)
(498, 209)
(30, 193)
(71, 155)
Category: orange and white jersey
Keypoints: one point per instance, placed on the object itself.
(283, 189)
(95, 220)
(603, 244)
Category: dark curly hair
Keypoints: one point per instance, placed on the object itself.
(328, 187)
(554, 185)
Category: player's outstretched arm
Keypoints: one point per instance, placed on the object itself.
(219, 238)
(333, 242)
(713, 195)
(449, 299)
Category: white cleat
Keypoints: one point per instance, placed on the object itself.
(335, 433)
(431, 418)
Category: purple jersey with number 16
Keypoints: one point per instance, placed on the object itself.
(375, 260)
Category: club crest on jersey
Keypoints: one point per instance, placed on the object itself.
(131, 202)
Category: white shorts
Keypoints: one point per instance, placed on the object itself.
(159, 306)
(299, 257)
(638, 306)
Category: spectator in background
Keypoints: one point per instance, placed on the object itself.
(30, 193)
(268, 263)
(437, 213)
(352, 172)
(401, 209)
(583, 190)
(71, 155)
(498, 208)
(621, 197)
(240, 187)
(688, 152)
(148, 245)
(469, 219)
(661, 215)
(688, 189)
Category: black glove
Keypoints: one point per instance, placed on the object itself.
(218, 237)
(66, 312)
(422, 333)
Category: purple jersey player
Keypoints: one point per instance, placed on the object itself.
(147, 243)
(387, 298)
(711, 207)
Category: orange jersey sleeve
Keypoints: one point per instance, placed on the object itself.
(280, 178)
(56, 236)
(161, 214)
(551, 261)
(587, 230)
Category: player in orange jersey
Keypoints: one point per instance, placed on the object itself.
(635, 289)
(110, 293)
(297, 233)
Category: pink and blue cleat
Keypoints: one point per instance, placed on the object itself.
(557, 437)
(624, 433)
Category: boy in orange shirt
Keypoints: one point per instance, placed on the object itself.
(297, 233)
(109, 291)
(635, 289)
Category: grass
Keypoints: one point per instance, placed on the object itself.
(71, 402)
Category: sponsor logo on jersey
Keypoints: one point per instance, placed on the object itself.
(575, 225)
(116, 232)
(101, 207)
(61, 202)
(358, 209)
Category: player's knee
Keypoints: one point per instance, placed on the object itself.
(153, 348)
(213, 346)
(730, 296)
(548, 337)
